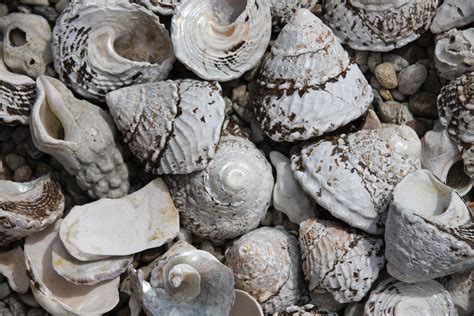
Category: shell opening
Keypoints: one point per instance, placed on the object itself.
(17, 37)
(184, 282)
(457, 178)
(228, 11)
(49, 118)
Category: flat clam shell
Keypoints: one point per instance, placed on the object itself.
(12, 266)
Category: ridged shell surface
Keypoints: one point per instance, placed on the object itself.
(454, 53)
(452, 14)
(461, 288)
(163, 7)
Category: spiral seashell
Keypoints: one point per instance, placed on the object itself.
(307, 86)
(80, 136)
(379, 25)
(173, 127)
(339, 261)
(429, 231)
(13, 268)
(283, 10)
(228, 198)
(162, 7)
(392, 297)
(231, 38)
(461, 288)
(352, 176)
(452, 14)
(100, 46)
(266, 264)
(454, 53)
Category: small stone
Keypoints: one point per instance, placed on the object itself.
(7, 147)
(47, 12)
(386, 75)
(228, 106)
(3, 9)
(20, 134)
(35, 2)
(257, 134)
(61, 5)
(385, 94)
(21, 150)
(361, 58)
(412, 53)
(388, 111)
(14, 161)
(22, 174)
(42, 169)
(36, 312)
(405, 115)
(24, 9)
(377, 98)
(424, 104)
(419, 127)
(16, 307)
(150, 254)
(397, 61)
(28, 299)
(4, 290)
(397, 95)
(372, 121)
(411, 79)
(6, 133)
(375, 83)
(238, 91)
(432, 83)
(374, 60)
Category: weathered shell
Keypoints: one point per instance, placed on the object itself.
(173, 127)
(352, 176)
(461, 288)
(144, 219)
(454, 53)
(245, 304)
(307, 85)
(26, 208)
(452, 14)
(228, 198)
(429, 231)
(339, 261)
(283, 10)
(266, 264)
(379, 25)
(80, 136)
(12, 266)
(306, 310)
(392, 297)
(230, 39)
(163, 7)
(100, 46)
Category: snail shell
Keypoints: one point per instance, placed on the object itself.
(379, 25)
(452, 14)
(352, 176)
(162, 7)
(307, 86)
(461, 288)
(454, 53)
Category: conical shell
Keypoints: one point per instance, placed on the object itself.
(163, 7)
(452, 14)
(461, 288)
(352, 176)
(13, 268)
(454, 53)
(307, 85)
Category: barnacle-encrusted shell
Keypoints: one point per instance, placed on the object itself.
(170, 126)
(379, 25)
(283, 10)
(392, 297)
(454, 53)
(352, 176)
(26, 208)
(429, 231)
(12, 266)
(461, 288)
(228, 198)
(100, 46)
(80, 136)
(339, 261)
(266, 264)
(452, 14)
(163, 7)
(307, 84)
(221, 39)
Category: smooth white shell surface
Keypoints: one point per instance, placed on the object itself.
(452, 14)
(12, 266)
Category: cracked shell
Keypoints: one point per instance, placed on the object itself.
(454, 53)
(452, 14)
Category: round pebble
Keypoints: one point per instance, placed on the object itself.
(396, 60)
(386, 75)
(372, 121)
(3, 9)
(47, 12)
(375, 83)
(419, 127)
(424, 104)
(22, 174)
(388, 111)
(36, 312)
(4, 290)
(61, 5)
(14, 161)
(385, 94)
(361, 58)
(374, 60)
(7, 147)
(411, 79)
(397, 95)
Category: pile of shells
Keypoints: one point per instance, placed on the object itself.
(237, 157)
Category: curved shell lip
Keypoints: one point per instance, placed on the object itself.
(245, 304)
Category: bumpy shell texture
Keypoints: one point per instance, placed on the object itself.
(379, 25)
(283, 10)
(230, 39)
(454, 53)
(352, 176)
(307, 85)
(100, 46)
(266, 264)
(339, 261)
(163, 7)
(173, 127)
(452, 14)
(461, 288)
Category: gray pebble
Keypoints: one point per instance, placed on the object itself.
(386, 75)
(22, 174)
(361, 58)
(17, 307)
(61, 5)
(377, 98)
(36, 312)
(388, 111)
(398, 61)
(375, 83)
(47, 12)
(411, 79)
(6, 133)
(4, 290)
(424, 104)
(374, 60)
(14, 161)
(24, 9)
(3, 9)
(397, 95)
(29, 299)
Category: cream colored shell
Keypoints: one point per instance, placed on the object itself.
(452, 14)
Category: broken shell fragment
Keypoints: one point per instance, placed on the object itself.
(452, 14)
(454, 53)
(12, 266)
(162, 7)
(429, 231)
(245, 304)
(461, 288)
(352, 176)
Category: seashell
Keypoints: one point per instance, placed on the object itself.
(454, 53)
(339, 261)
(12, 266)
(245, 304)
(80, 136)
(308, 85)
(306, 310)
(55, 294)
(452, 14)
(228, 198)
(231, 38)
(352, 176)
(162, 7)
(283, 10)
(429, 231)
(266, 264)
(26, 43)
(26, 208)
(379, 25)
(392, 297)
(121, 44)
(460, 286)
(170, 126)
(191, 282)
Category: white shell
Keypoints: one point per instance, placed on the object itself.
(454, 53)
(429, 231)
(100, 46)
(352, 176)
(144, 219)
(266, 264)
(339, 261)
(221, 39)
(392, 297)
(12, 266)
(173, 127)
(452, 14)
(228, 198)
(379, 25)
(461, 288)
(245, 304)
(283, 10)
(163, 7)
(308, 86)
(306, 310)
(80, 136)
(26, 208)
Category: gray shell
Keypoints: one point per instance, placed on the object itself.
(461, 288)
(452, 14)
(454, 53)
(163, 7)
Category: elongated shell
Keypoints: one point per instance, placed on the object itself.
(461, 288)
(231, 38)
(454, 53)
(339, 261)
(100, 46)
(173, 127)
(228, 198)
(26, 208)
(379, 25)
(163, 7)
(429, 231)
(283, 10)
(266, 264)
(352, 176)
(452, 14)
(13, 268)
(308, 85)
(392, 297)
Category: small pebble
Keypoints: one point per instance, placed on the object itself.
(257, 134)
(386, 75)
(36, 312)
(20, 149)
(411, 79)
(372, 121)
(150, 254)
(22, 174)
(385, 94)
(374, 60)
(24, 9)
(424, 104)
(6, 133)
(32, 151)
(397, 95)
(419, 127)
(35, 2)
(61, 5)
(361, 58)
(3, 9)
(375, 83)
(17, 307)
(412, 53)
(47, 12)
(238, 91)
(14, 161)
(4, 290)
(29, 299)
(42, 168)
(397, 61)
(389, 111)
(377, 98)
